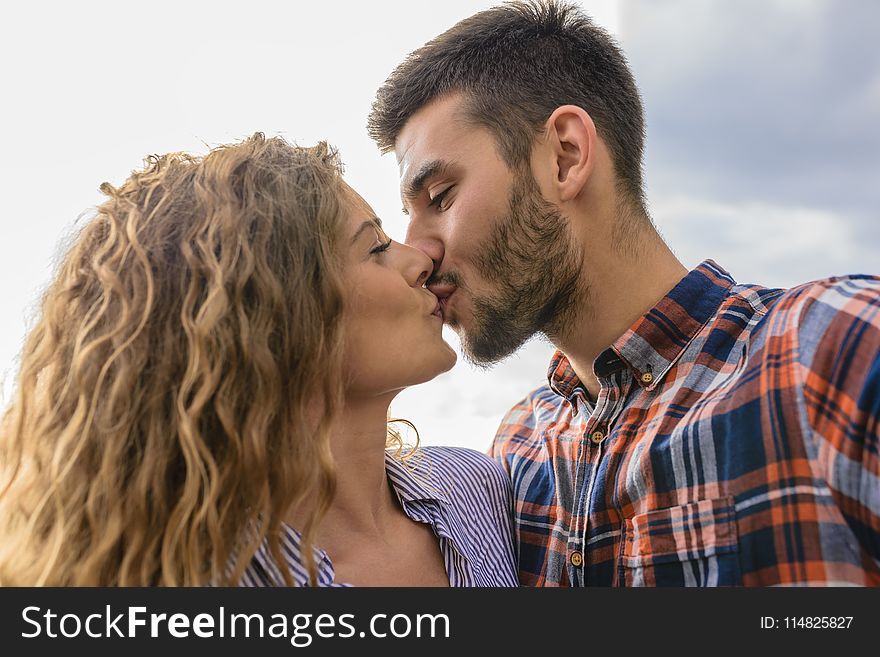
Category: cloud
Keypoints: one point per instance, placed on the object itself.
(777, 101)
(772, 245)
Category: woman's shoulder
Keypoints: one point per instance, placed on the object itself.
(458, 465)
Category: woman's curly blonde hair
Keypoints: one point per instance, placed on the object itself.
(175, 395)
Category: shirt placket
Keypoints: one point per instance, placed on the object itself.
(591, 451)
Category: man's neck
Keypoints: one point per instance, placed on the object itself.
(620, 289)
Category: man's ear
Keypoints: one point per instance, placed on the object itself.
(571, 135)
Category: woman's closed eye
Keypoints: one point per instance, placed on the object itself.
(381, 248)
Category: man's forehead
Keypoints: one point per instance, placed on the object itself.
(430, 131)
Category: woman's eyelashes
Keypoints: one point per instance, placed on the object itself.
(381, 248)
(437, 200)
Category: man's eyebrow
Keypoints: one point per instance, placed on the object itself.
(427, 171)
(372, 222)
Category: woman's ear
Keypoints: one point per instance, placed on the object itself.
(571, 135)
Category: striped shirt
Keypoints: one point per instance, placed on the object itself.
(465, 497)
(734, 441)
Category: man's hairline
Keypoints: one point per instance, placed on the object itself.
(469, 117)
(465, 113)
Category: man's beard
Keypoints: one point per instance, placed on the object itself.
(534, 267)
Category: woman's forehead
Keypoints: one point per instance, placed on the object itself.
(354, 200)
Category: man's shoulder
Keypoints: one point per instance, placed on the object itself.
(830, 304)
(836, 287)
(521, 430)
(532, 411)
(830, 326)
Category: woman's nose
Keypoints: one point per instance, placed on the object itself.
(430, 247)
(417, 266)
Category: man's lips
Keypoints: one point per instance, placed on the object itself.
(444, 302)
(442, 290)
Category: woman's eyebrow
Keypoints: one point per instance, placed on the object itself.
(373, 222)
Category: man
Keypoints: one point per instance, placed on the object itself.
(693, 431)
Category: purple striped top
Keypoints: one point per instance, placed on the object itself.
(463, 494)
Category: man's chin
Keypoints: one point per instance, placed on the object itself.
(484, 353)
(486, 339)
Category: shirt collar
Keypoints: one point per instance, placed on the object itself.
(292, 550)
(411, 479)
(655, 341)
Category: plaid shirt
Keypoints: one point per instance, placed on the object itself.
(734, 442)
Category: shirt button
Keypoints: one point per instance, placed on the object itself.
(597, 437)
(647, 377)
(577, 559)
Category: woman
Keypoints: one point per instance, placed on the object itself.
(204, 399)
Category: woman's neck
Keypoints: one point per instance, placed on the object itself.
(366, 533)
(364, 504)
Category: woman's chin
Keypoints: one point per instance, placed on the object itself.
(452, 357)
(443, 364)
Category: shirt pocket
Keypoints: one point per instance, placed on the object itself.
(690, 545)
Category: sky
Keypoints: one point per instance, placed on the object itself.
(763, 151)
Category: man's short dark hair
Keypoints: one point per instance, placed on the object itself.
(516, 63)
